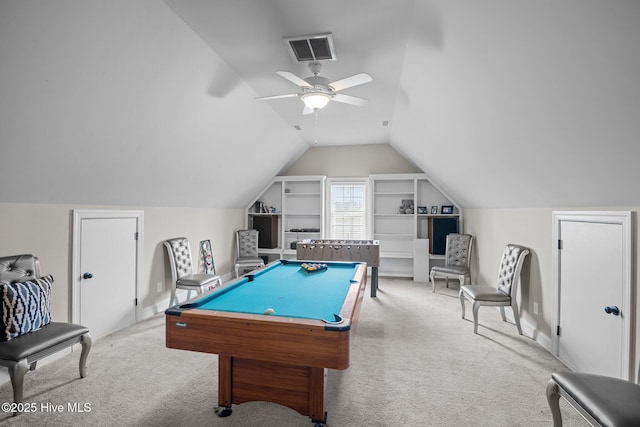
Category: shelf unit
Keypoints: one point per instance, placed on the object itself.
(406, 239)
(298, 203)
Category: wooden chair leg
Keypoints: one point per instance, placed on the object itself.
(553, 398)
(86, 347)
(173, 296)
(516, 316)
(476, 307)
(17, 373)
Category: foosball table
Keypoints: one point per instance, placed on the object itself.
(343, 250)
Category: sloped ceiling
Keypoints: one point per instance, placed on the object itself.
(524, 104)
(503, 103)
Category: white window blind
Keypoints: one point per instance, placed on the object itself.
(348, 211)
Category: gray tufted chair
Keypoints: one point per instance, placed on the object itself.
(247, 246)
(505, 294)
(179, 253)
(457, 260)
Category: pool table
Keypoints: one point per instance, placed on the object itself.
(276, 331)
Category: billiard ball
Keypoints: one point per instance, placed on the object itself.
(269, 311)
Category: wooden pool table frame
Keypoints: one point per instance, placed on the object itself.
(270, 358)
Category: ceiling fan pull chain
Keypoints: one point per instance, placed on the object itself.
(316, 138)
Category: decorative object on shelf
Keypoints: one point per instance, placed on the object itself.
(310, 268)
(422, 210)
(447, 209)
(406, 207)
(434, 210)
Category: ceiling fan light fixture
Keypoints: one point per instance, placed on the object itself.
(316, 101)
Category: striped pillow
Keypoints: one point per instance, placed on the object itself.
(26, 307)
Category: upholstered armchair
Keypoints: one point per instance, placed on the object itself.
(247, 247)
(457, 260)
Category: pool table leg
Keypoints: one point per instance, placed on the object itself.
(224, 386)
(260, 376)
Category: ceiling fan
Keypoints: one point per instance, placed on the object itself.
(317, 91)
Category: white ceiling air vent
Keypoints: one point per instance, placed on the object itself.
(314, 47)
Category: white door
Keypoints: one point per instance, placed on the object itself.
(592, 264)
(106, 273)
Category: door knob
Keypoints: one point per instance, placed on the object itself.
(87, 276)
(612, 310)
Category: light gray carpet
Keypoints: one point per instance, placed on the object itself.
(415, 362)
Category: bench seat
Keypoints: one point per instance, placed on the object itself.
(30, 346)
(601, 400)
(21, 353)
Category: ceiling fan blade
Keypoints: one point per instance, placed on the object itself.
(348, 99)
(307, 110)
(289, 95)
(354, 80)
(293, 78)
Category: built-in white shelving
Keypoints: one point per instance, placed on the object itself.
(297, 203)
(296, 208)
(405, 235)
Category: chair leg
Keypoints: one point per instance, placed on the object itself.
(504, 318)
(462, 302)
(516, 316)
(446, 281)
(553, 399)
(433, 281)
(476, 307)
(173, 297)
(17, 372)
(86, 347)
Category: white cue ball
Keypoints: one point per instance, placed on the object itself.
(269, 311)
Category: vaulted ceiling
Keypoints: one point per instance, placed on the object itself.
(504, 103)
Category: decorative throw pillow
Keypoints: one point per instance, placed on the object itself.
(25, 307)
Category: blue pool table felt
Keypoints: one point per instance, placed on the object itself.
(289, 290)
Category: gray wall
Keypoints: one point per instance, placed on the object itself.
(350, 161)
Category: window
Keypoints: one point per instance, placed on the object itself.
(348, 210)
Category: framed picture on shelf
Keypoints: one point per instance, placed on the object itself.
(447, 209)
(422, 210)
(434, 210)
